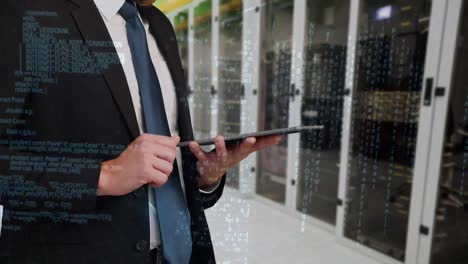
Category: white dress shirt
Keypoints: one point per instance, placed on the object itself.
(116, 26)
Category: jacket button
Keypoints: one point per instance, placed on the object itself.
(141, 245)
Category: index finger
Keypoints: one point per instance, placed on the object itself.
(197, 151)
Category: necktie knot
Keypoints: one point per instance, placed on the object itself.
(128, 10)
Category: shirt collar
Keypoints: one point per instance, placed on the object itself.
(109, 8)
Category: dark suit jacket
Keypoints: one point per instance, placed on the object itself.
(57, 64)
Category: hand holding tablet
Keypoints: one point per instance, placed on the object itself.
(241, 137)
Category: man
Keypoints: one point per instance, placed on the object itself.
(91, 172)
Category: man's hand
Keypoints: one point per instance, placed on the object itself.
(148, 159)
(214, 164)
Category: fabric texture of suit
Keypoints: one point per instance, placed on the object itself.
(91, 107)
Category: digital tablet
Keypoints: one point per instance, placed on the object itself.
(239, 138)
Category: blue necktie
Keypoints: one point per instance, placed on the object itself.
(172, 213)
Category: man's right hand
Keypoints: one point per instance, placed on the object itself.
(148, 159)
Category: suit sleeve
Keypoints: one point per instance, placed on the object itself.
(209, 199)
(206, 199)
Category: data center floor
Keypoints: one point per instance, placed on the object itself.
(246, 230)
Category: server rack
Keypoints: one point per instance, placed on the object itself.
(325, 43)
(444, 222)
(250, 84)
(275, 79)
(203, 112)
(289, 158)
(386, 131)
(295, 91)
(229, 68)
(415, 177)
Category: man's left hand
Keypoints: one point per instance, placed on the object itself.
(214, 164)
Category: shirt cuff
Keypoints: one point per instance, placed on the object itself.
(210, 189)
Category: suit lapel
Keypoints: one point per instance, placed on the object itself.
(162, 31)
(91, 26)
(167, 43)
